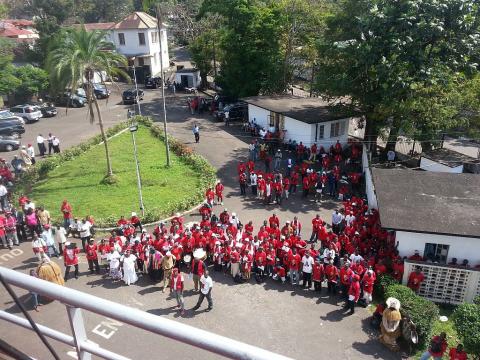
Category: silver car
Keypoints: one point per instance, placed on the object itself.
(27, 112)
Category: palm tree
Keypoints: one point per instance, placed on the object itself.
(75, 56)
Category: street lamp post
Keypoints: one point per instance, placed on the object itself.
(159, 28)
(133, 128)
(136, 88)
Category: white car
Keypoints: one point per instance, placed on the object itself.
(27, 112)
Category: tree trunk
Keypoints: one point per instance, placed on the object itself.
(371, 135)
(392, 138)
(104, 138)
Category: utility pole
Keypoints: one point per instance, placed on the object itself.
(159, 28)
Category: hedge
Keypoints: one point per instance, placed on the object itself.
(466, 319)
(382, 283)
(422, 312)
(186, 155)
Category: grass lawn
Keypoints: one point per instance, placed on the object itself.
(78, 180)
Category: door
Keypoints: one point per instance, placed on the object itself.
(184, 80)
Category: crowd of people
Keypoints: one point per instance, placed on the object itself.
(316, 172)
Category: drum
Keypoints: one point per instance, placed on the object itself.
(187, 259)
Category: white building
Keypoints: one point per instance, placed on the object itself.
(438, 214)
(306, 120)
(188, 78)
(446, 160)
(137, 37)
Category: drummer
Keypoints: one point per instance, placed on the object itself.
(198, 266)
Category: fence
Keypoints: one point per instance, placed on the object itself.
(75, 301)
(445, 284)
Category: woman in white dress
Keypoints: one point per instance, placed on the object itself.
(129, 263)
(113, 258)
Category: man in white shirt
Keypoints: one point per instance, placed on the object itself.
(253, 183)
(31, 153)
(3, 196)
(85, 233)
(355, 257)
(307, 269)
(350, 218)
(205, 291)
(41, 145)
(56, 145)
(337, 219)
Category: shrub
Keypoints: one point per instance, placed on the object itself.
(422, 312)
(466, 319)
(382, 283)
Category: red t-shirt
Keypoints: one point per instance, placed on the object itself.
(454, 354)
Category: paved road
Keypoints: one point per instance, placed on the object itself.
(73, 126)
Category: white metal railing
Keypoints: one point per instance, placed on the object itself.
(445, 284)
(76, 300)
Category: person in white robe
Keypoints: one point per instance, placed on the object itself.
(129, 263)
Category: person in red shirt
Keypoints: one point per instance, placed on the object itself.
(338, 147)
(331, 273)
(438, 346)
(274, 220)
(92, 256)
(135, 221)
(415, 279)
(313, 153)
(260, 262)
(219, 192)
(305, 186)
(317, 275)
(241, 168)
(316, 222)
(176, 286)
(294, 264)
(367, 282)
(66, 210)
(416, 256)
(70, 258)
(346, 276)
(458, 353)
(209, 196)
(243, 183)
(353, 294)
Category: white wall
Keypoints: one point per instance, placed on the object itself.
(430, 165)
(299, 131)
(260, 115)
(460, 247)
(132, 47)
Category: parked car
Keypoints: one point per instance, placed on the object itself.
(7, 115)
(13, 127)
(28, 112)
(153, 82)
(236, 112)
(67, 99)
(101, 91)
(8, 143)
(130, 96)
(47, 109)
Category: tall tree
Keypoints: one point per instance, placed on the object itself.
(252, 56)
(75, 57)
(92, 11)
(378, 52)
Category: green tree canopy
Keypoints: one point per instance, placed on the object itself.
(74, 57)
(33, 80)
(379, 53)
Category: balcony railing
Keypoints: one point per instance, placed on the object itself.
(445, 284)
(75, 301)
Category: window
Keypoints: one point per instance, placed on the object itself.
(121, 38)
(272, 119)
(141, 38)
(319, 131)
(337, 129)
(154, 37)
(141, 62)
(436, 252)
